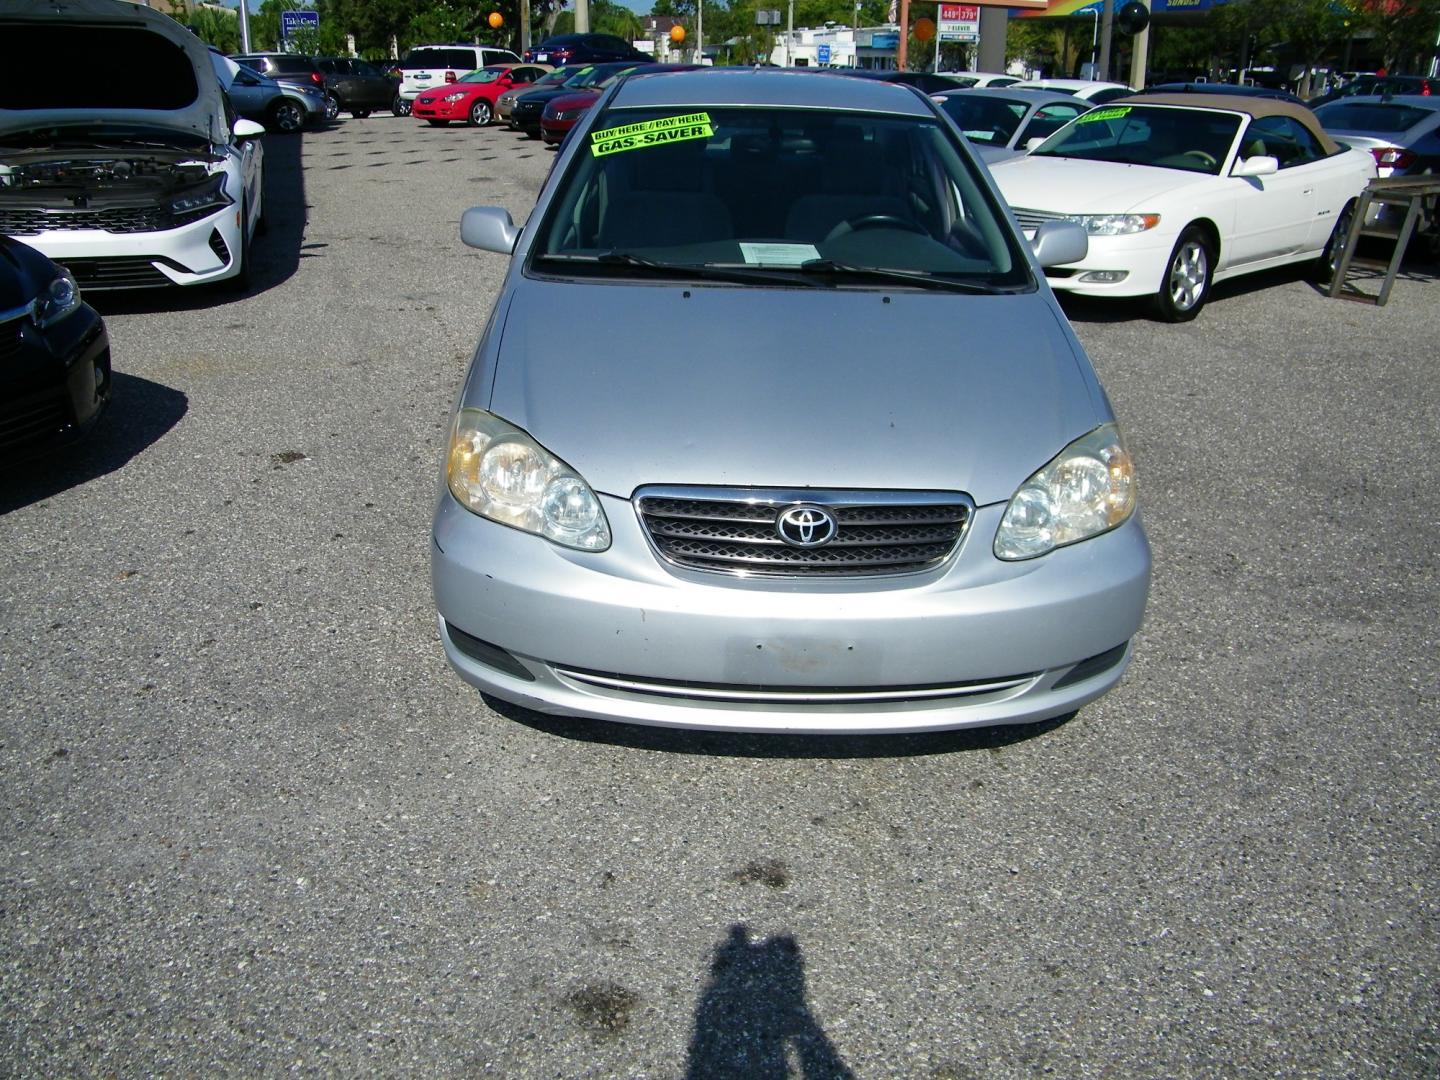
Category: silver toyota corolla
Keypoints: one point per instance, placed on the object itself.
(828, 457)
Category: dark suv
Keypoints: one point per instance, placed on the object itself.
(583, 49)
(357, 86)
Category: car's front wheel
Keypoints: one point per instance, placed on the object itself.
(332, 107)
(1186, 283)
(1328, 265)
(480, 113)
(400, 106)
(287, 116)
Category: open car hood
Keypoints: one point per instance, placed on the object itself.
(104, 62)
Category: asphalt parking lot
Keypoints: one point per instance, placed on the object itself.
(253, 823)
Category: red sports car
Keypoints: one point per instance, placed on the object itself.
(563, 112)
(472, 97)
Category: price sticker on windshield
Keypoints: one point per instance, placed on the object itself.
(660, 132)
(1115, 112)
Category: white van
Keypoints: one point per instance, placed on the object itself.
(428, 66)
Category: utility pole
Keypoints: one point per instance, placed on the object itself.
(1107, 27)
(582, 16)
(524, 26)
(244, 28)
(699, 31)
(902, 51)
(790, 36)
(1139, 58)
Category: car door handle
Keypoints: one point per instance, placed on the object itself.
(1308, 191)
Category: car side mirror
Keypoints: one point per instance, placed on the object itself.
(1034, 144)
(1059, 242)
(247, 129)
(489, 228)
(1259, 165)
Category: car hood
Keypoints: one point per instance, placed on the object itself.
(832, 388)
(581, 99)
(26, 110)
(1074, 186)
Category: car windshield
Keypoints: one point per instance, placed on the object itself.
(1192, 140)
(586, 76)
(987, 120)
(551, 78)
(800, 196)
(484, 75)
(1367, 116)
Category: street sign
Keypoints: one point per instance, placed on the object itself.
(959, 22)
(291, 21)
(822, 54)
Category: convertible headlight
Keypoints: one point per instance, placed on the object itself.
(1086, 490)
(61, 298)
(500, 473)
(450, 99)
(1116, 224)
(210, 194)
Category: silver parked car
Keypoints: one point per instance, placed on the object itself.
(831, 458)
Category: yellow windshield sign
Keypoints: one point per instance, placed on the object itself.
(1115, 112)
(667, 129)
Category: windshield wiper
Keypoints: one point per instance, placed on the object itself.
(703, 271)
(920, 279)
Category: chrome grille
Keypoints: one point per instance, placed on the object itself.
(1033, 219)
(138, 219)
(734, 530)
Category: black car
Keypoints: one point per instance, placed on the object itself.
(1224, 88)
(54, 354)
(1368, 85)
(357, 86)
(924, 81)
(530, 107)
(583, 49)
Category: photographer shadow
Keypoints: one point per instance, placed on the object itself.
(753, 1021)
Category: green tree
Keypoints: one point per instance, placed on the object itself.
(213, 27)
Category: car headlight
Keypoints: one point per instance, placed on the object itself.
(450, 99)
(60, 298)
(209, 194)
(1086, 490)
(497, 471)
(1116, 224)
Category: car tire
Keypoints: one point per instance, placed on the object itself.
(400, 106)
(287, 117)
(1185, 285)
(438, 123)
(332, 108)
(480, 113)
(1328, 265)
(360, 114)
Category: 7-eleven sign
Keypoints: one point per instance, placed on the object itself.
(959, 22)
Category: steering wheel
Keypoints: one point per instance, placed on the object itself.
(1200, 155)
(875, 221)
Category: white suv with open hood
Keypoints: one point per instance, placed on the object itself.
(130, 170)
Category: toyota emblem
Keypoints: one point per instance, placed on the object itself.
(806, 526)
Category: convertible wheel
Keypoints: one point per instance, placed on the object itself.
(332, 107)
(1186, 283)
(1328, 265)
(287, 116)
(480, 113)
(400, 106)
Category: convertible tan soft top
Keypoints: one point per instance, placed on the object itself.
(1251, 106)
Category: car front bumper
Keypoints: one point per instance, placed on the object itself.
(55, 382)
(621, 635)
(194, 254)
(1143, 258)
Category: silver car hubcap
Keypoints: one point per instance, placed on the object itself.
(1187, 275)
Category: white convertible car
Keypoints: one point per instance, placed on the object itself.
(1179, 191)
(129, 168)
